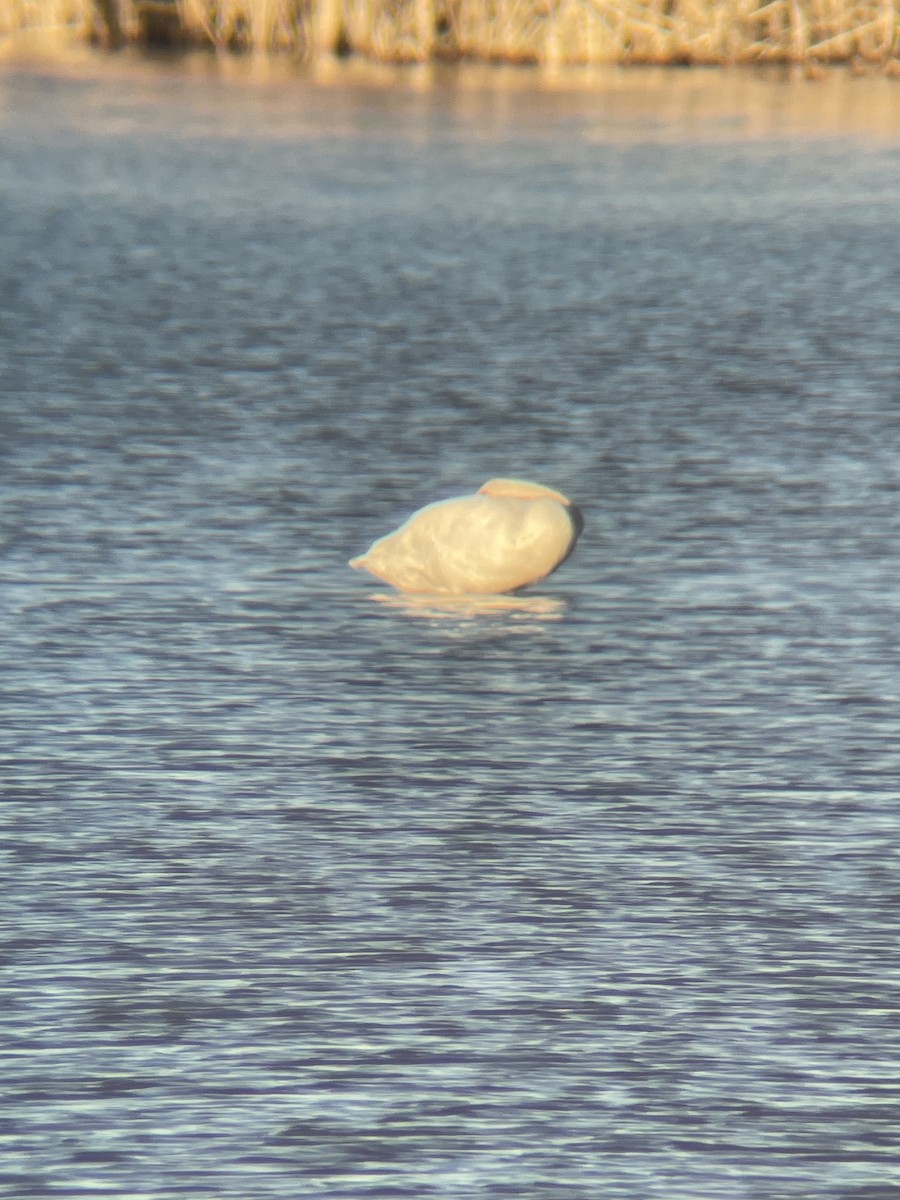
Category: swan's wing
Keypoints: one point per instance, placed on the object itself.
(478, 544)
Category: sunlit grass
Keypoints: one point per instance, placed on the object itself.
(537, 31)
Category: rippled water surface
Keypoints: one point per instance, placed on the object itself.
(310, 891)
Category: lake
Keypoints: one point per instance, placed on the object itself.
(314, 890)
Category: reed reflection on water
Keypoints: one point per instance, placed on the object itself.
(588, 891)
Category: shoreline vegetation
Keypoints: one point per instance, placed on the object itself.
(863, 33)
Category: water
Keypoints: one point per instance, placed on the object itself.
(309, 891)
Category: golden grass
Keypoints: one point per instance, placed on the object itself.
(542, 31)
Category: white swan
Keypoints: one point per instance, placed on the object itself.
(509, 534)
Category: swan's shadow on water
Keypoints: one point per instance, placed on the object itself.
(439, 607)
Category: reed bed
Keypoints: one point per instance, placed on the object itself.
(560, 32)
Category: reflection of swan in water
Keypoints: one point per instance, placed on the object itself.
(446, 607)
(509, 534)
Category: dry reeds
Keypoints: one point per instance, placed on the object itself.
(540, 31)
(45, 16)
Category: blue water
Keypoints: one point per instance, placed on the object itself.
(309, 891)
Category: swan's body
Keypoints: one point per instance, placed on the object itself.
(509, 534)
